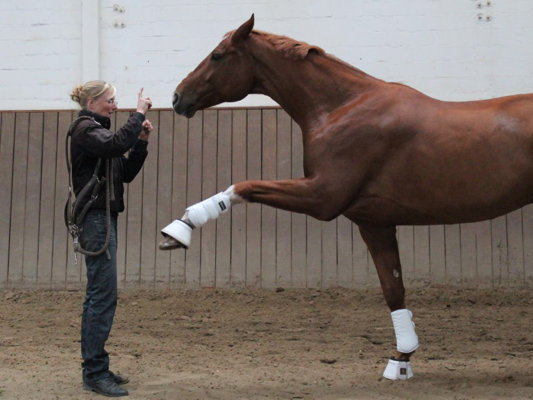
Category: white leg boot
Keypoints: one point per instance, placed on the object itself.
(406, 342)
(398, 370)
(195, 216)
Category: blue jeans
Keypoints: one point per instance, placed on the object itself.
(101, 294)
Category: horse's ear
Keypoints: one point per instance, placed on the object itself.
(244, 30)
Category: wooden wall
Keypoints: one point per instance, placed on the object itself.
(252, 245)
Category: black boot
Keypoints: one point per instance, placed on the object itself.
(105, 386)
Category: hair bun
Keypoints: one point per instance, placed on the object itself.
(75, 95)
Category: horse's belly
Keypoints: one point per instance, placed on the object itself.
(384, 211)
(435, 207)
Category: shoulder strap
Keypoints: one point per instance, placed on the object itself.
(71, 129)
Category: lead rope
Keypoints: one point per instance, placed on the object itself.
(72, 221)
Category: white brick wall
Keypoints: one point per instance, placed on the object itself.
(449, 49)
(39, 53)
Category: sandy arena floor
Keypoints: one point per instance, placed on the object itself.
(287, 344)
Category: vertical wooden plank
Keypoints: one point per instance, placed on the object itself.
(33, 200)
(500, 271)
(298, 221)
(329, 253)
(268, 214)
(164, 190)
(421, 253)
(62, 241)
(527, 215)
(149, 206)
(179, 194)
(118, 122)
(209, 187)
(515, 247)
(283, 218)
(314, 252)
(437, 254)
(239, 158)
(46, 214)
(452, 235)
(223, 225)
(468, 254)
(18, 199)
(484, 256)
(298, 250)
(194, 195)
(253, 214)
(7, 154)
(344, 252)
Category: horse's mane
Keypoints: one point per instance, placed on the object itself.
(296, 50)
(290, 48)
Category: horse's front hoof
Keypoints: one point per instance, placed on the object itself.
(177, 235)
(170, 243)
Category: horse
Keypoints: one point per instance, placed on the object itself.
(382, 154)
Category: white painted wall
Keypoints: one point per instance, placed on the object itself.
(449, 49)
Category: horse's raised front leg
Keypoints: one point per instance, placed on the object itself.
(178, 233)
(319, 198)
(383, 247)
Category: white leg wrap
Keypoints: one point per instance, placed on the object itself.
(199, 213)
(404, 328)
(398, 370)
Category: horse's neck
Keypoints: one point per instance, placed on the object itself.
(310, 89)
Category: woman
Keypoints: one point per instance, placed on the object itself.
(92, 140)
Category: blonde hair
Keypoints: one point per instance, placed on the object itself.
(90, 90)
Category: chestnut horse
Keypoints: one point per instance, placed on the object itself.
(382, 154)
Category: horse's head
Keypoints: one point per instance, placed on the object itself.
(224, 75)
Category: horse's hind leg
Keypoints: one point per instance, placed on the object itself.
(383, 247)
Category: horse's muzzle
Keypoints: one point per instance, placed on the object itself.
(175, 101)
(182, 107)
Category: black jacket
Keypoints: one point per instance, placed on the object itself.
(92, 139)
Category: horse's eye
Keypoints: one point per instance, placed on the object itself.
(216, 56)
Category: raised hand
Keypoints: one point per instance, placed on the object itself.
(143, 103)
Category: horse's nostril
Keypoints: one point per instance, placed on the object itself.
(175, 98)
